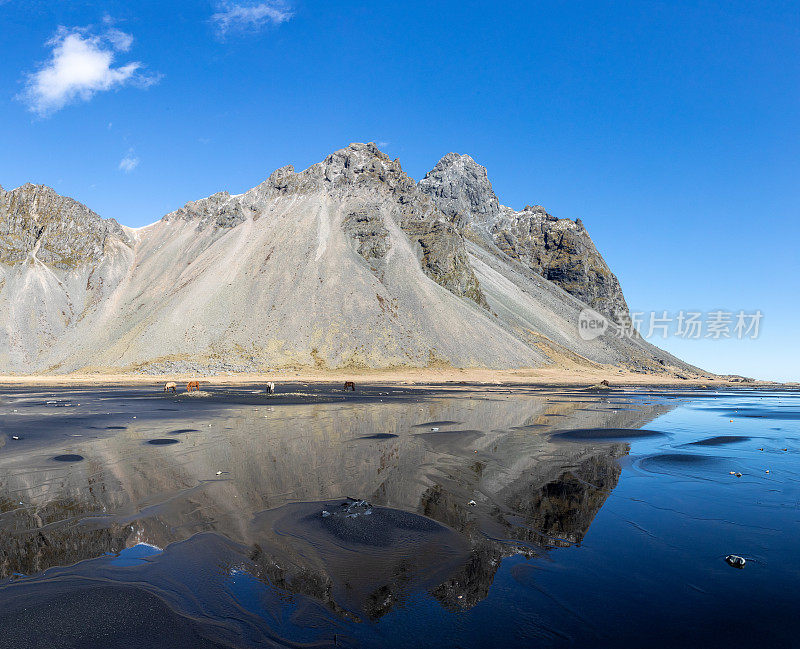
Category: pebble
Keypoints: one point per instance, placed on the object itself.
(735, 560)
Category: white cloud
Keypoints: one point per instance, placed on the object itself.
(232, 16)
(129, 162)
(119, 40)
(79, 67)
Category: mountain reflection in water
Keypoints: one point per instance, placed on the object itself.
(473, 476)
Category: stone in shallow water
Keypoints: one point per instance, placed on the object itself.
(735, 561)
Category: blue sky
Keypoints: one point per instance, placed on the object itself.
(671, 128)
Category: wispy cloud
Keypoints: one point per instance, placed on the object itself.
(80, 65)
(250, 16)
(120, 41)
(129, 162)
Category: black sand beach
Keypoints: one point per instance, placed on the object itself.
(395, 516)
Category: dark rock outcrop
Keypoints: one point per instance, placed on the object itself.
(441, 248)
(368, 232)
(559, 250)
(59, 231)
(460, 187)
(218, 210)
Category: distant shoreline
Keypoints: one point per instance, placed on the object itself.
(422, 376)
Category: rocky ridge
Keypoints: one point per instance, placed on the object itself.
(60, 231)
(349, 263)
(365, 179)
(560, 250)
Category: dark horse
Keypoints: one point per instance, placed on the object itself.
(349, 385)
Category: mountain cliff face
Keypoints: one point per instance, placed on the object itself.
(560, 250)
(60, 231)
(349, 263)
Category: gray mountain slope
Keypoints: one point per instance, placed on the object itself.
(559, 250)
(346, 264)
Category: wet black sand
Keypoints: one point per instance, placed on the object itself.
(319, 518)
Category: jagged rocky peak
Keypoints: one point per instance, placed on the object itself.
(370, 187)
(361, 161)
(364, 172)
(461, 188)
(336, 256)
(559, 250)
(346, 168)
(221, 210)
(57, 230)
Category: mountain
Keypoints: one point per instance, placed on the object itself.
(349, 263)
(559, 250)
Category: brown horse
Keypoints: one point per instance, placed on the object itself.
(349, 385)
(192, 385)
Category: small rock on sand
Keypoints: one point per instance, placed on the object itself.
(735, 561)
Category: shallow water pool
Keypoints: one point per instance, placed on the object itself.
(399, 516)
